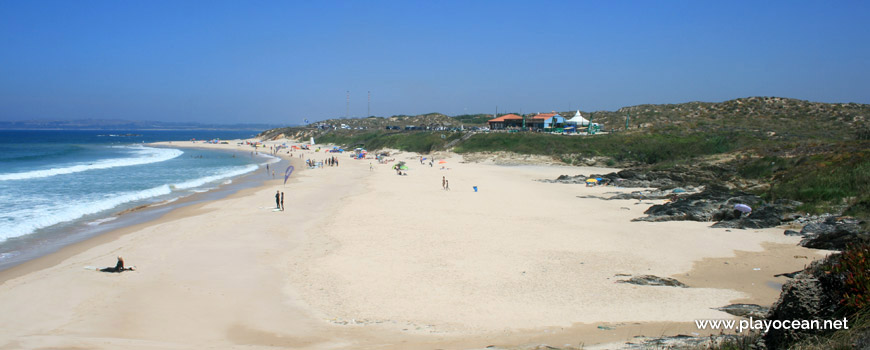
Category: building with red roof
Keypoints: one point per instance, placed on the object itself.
(506, 121)
(545, 121)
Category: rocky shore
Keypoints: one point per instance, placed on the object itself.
(822, 291)
(711, 194)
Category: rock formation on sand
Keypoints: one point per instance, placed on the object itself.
(835, 233)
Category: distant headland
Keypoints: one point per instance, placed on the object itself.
(120, 124)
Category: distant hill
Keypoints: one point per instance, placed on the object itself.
(774, 116)
(771, 117)
(117, 124)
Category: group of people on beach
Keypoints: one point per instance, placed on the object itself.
(279, 200)
(445, 184)
(331, 161)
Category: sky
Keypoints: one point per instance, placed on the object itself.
(282, 62)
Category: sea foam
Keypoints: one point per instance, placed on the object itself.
(41, 217)
(143, 155)
(231, 172)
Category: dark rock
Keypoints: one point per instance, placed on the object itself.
(576, 179)
(835, 233)
(642, 195)
(650, 280)
(818, 228)
(745, 310)
(644, 178)
(763, 217)
(792, 233)
(788, 274)
(717, 204)
(703, 206)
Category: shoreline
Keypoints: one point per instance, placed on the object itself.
(297, 258)
(38, 244)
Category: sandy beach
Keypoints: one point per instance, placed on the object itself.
(365, 259)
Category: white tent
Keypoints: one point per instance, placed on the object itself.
(578, 120)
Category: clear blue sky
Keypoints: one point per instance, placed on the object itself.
(283, 61)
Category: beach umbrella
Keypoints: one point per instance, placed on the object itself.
(287, 173)
(591, 180)
(743, 208)
(442, 161)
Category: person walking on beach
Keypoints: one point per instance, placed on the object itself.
(447, 185)
(443, 182)
(278, 199)
(282, 201)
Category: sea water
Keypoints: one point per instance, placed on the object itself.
(55, 182)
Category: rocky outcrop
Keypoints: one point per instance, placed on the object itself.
(650, 280)
(835, 233)
(713, 204)
(745, 310)
(717, 204)
(768, 215)
(813, 294)
(792, 233)
(655, 194)
(641, 178)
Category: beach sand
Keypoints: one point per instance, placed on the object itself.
(370, 260)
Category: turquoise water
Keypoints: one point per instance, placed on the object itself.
(52, 180)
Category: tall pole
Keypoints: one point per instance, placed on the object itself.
(627, 117)
(347, 109)
(369, 110)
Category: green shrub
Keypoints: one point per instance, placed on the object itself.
(824, 182)
(646, 148)
(854, 266)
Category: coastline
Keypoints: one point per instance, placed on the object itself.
(52, 239)
(304, 279)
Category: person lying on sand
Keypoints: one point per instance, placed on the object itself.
(119, 267)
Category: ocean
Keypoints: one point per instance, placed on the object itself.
(58, 183)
